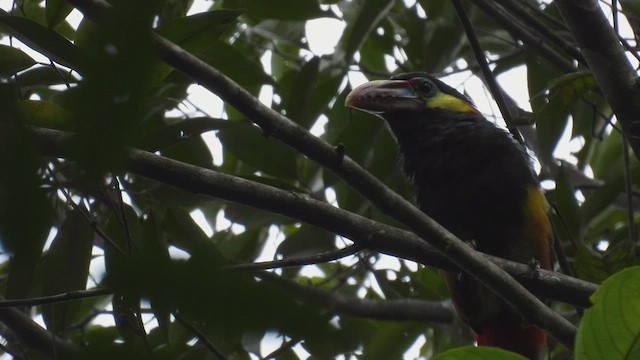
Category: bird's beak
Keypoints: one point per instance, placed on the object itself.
(380, 96)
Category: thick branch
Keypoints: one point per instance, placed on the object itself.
(363, 231)
(607, 61)
(33, 336)
(396, 310)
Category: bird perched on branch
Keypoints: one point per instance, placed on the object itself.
(476, 180)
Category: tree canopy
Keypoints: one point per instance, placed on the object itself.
(124, 234)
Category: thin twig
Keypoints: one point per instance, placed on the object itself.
(57, 298)
(529, 38)
(202, 338)
(494, 87)
(83, 213)
(633, 235)
(301, 261)
(288, 345)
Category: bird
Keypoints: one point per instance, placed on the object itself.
(474, 178)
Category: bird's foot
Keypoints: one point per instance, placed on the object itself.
(534, 268)
(472, 244)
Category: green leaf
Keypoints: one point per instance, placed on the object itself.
(568, 209)
(13, 60)
(193, 151)
(371, 13)
(245, 246)
(46, 114)
(243, 67)
(301, 97)
(539, 75)
(57, 11)
(25, 209)
(198, 32)
(443, 35)
(66, 268)
(252, 217)
(308, 240)
(595, 266)
(280, 9)
(611, 327)
(248, 144)
(392, 340)
(569, 88)
(607, 157)
(478, 353)
(44, 76)
(43, 40)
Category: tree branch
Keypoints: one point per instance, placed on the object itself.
(201, 337)
(608, 62)
(31, 335)
(521, 32)
(363, 231)
(308, 260)
(52, 299)
(396, 310)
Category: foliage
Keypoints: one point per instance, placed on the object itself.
(170, 289)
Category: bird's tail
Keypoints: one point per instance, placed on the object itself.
(528, 341)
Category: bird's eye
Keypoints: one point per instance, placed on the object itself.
(423, 85)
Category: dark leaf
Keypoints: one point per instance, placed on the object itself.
(57, 11)
(255, 148)
(66, 269)
(13, 60)
(44, 40)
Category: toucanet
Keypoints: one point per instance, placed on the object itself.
(476, 180)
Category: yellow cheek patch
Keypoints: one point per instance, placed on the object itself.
(450, 102)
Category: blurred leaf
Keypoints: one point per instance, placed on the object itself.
(252, 217)
(607, 156)
(245, 246)
(13, 60)
(198, 32)
(25, 211)
(264, 154)
(478, 353)
(368, 16)
(193, 151)
(46, 114)
(392, 340)
(596, 266)
(443, 36)
(308, 240)
(66, 268)
(57, 11)
(44, 76)
(564, 199)
(610, 328)
(539, 75)
(44, 40)
(301, 96)
(176, 131)
(237, 64)
(429, 284)
(279, 9)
